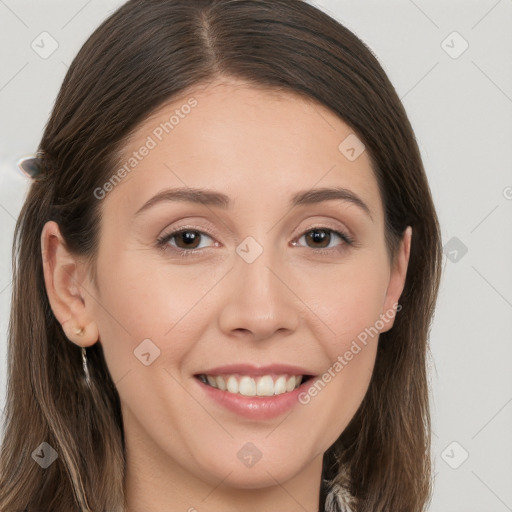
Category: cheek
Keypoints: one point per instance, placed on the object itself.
(348, 300)
(137, 303)
(142, 297)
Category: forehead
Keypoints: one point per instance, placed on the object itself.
(244, 139)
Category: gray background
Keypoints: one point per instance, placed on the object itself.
(460, 105)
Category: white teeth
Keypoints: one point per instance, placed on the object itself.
(261, 386)
(280, 385)
(232, 385)
(247, 386)
(265, 386)
(221, 383)
(290, 384)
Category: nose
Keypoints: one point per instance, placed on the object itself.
(259, 300)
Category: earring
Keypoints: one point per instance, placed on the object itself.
(80, 332)
(86, 368)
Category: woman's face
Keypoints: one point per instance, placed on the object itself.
(245, 280)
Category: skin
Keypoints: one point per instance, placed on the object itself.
(291, 305)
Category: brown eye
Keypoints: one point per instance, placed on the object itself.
(319, 237)
(183, 240)
(187, 239)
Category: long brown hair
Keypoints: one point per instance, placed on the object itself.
(145, 54)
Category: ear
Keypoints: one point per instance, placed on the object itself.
(64, 276)
(396, 281)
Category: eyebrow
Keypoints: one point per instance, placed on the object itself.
(220, 200)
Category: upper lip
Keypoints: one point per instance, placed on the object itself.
(256, 371)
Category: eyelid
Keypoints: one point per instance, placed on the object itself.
(344, 234)
(163, 240)
(332, 225)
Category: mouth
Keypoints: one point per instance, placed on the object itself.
(260, 386)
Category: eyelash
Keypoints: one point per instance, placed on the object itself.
(163, 242)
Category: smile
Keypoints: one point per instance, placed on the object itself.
(266, 385)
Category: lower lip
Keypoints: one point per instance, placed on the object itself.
(256, 407)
